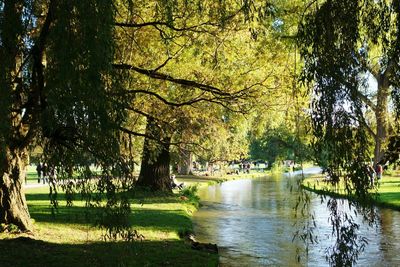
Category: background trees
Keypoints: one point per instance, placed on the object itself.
(81, 78)
(351, 56)
(194, 70)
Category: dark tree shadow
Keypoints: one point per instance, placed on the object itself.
(24, 251)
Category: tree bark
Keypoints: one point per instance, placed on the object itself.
(186, 162)
(13, 208)
(13, 132)
(381, 114)
(154, 171)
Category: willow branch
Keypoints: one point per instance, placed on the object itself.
(35, 95)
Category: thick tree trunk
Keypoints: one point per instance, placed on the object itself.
(13, 133)
(154, 171)
(381, 115)
(186, 162)
(13, 208)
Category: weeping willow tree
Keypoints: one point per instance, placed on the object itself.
(345, 44)
(56, 76)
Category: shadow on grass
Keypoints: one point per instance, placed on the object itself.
(75, 215)
(151, 219)
(24, 251)
(136, 197)
(43, 196)
(162, 220)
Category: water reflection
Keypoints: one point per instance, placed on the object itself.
(253, 223)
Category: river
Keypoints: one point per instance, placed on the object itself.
(253, 223)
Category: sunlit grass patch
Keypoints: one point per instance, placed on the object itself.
(386, 194)
(70, 237)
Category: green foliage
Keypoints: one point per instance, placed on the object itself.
(350, 244)
(280, 144)
(63, 95)
(9, 228)
(342, 44)
(114, 219)
(189, 194)
(339, 126)
(79, 79)
(198, 42)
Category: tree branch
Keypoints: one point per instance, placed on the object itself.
(166, 77)
(193, 28)
(130, 132)
(169, 103)
(367, 101)
(368, 67)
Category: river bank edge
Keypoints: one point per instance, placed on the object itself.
(162, 219)
(386, 195)
(205, 181)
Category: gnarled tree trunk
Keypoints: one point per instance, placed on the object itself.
(13, 208)
(13, 132)
(154, 171)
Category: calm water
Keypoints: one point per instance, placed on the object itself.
(253, 223)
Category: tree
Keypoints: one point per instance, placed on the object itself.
(280, 143)
(358, 43)
(55, 78)
(210, 63)
(342, 43)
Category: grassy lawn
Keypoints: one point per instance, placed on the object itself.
(69, 238)
(388, 190)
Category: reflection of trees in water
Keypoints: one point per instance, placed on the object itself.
(345, 218)
(348, 243)
(389, 234)
(386, 227)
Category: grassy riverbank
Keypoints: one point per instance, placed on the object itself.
(70, 238)
(201, 181)
(387, 194)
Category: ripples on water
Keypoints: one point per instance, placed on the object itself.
(252, 221)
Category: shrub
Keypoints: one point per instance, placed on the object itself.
(190, 193)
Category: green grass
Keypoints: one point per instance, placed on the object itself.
(25, 252)
(209, 180)
(387, 194)
(31, 174)
(70, 239)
